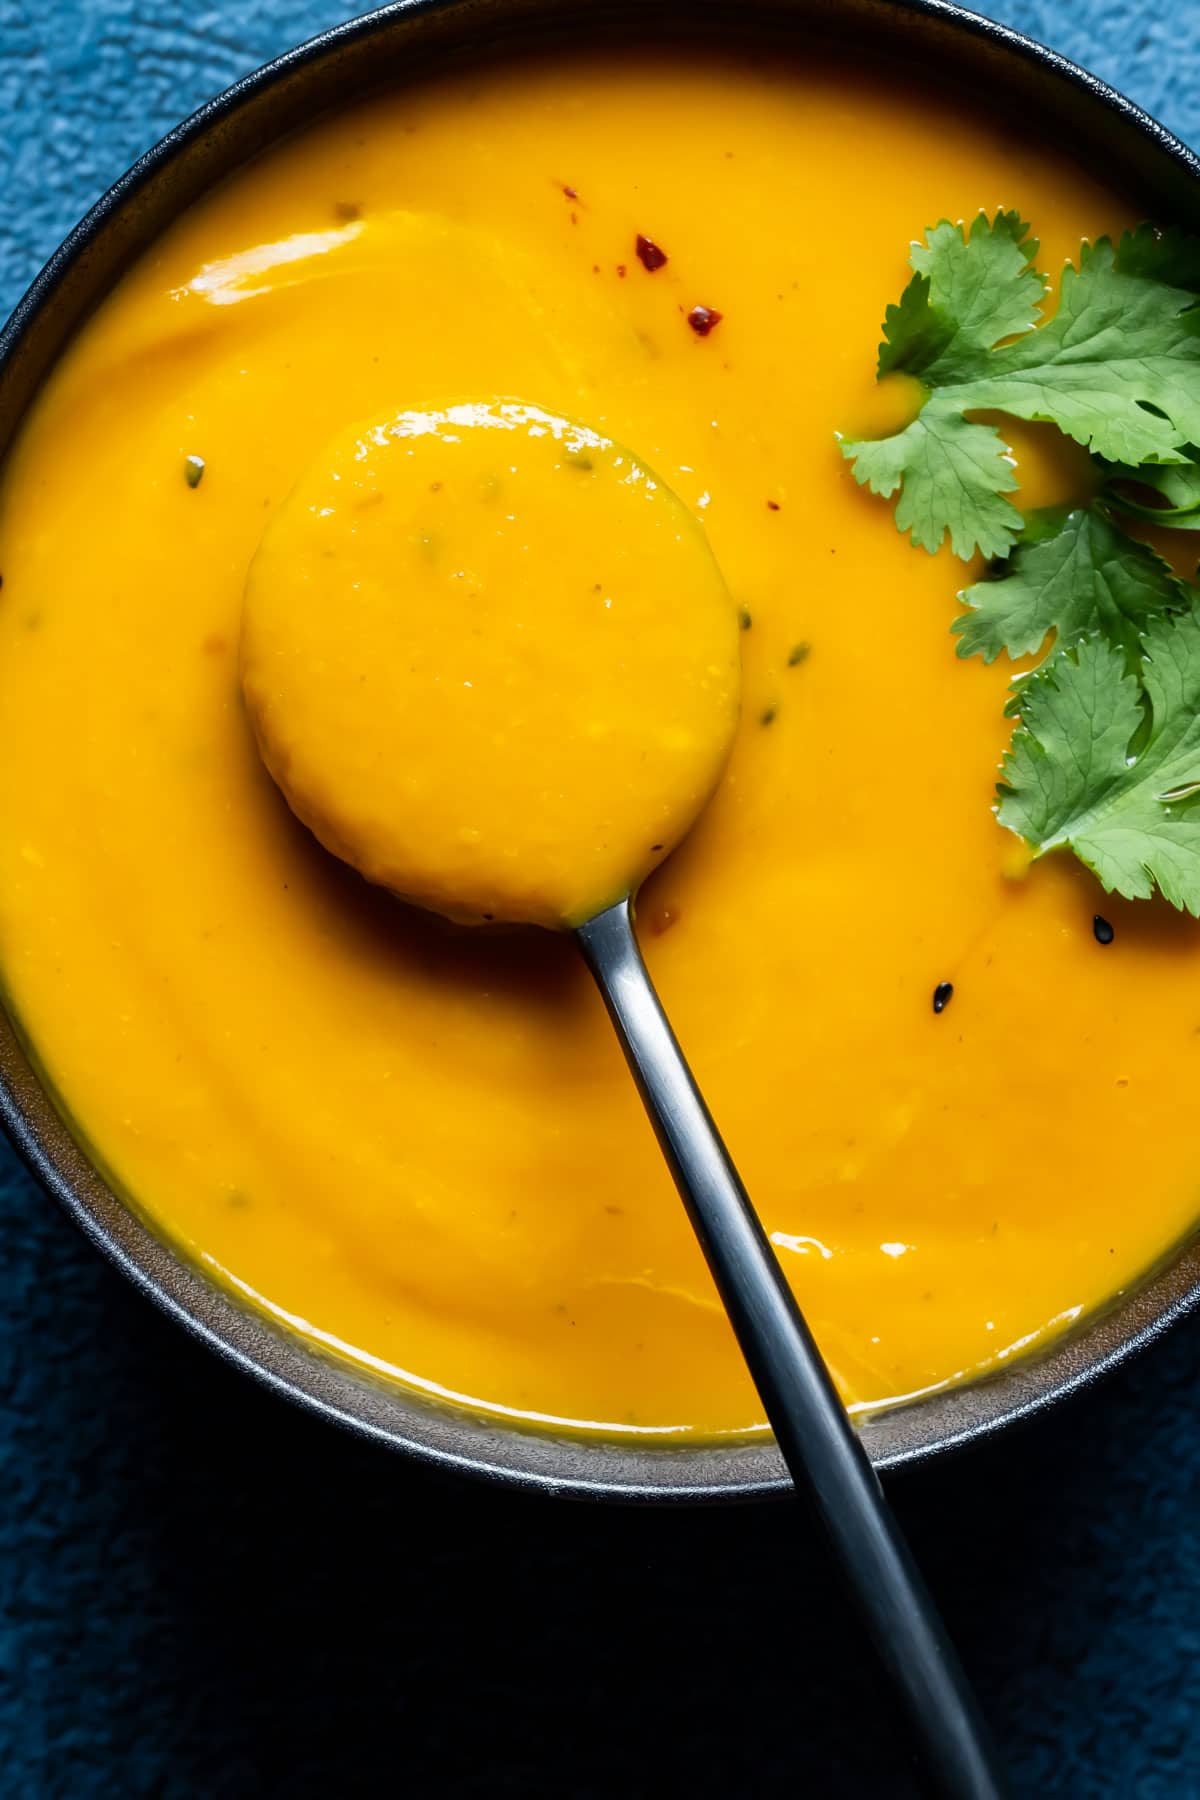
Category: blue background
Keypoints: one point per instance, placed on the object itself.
(204, 1594)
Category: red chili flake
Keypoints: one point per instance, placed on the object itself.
(570, 192)
(574, 218)
(621, 270)
(703, 318)
(649, 254)
(595, 268)
(772, 506)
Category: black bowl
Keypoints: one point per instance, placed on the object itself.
(405, 42)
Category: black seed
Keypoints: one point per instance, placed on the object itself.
(943, 993)
(767, 716)
(798, 654)
(1103, 931)
(744, 619)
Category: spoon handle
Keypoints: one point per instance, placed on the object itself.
(819, 1444)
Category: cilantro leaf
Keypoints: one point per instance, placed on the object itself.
(965, 296)
(1072, 575)
(1178, 483)
(1091, 769)
(1171, 256)
(1117, 368)
(952, 475)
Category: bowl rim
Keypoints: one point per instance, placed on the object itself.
(454, 1438)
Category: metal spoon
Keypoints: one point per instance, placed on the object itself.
(822, 1450)
(320, 632)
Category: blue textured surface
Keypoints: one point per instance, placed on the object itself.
(203, 1594)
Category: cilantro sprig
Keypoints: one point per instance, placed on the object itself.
(1117, 368)
(1107, 763)
(1073, 572)
(1162, 493)
(1105, 754)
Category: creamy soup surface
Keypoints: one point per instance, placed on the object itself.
(416, 1143)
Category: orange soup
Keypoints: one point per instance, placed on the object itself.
(417, 1143)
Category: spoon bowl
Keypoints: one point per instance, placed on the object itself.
(491, 661)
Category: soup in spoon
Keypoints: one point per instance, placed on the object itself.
(491, 661)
